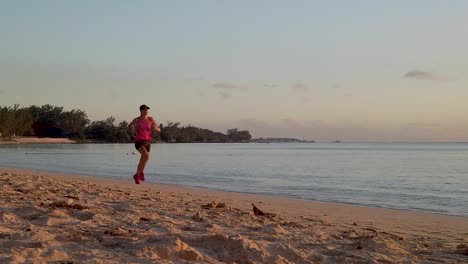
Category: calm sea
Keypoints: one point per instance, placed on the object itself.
(425, 177)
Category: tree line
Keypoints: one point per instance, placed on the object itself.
(54, 121)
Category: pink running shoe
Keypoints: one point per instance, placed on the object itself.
(142, 176)
(136, 178)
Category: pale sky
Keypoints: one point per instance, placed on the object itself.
(318, 70)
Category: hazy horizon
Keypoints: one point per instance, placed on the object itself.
(356, 71)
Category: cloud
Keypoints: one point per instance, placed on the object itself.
(300, 87)
(271, 85)
(421, 75)
(225, 89)
(225, 95)
(223, 85)
(229, 86)
(194, 79)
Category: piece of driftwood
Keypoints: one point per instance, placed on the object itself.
(257, 211)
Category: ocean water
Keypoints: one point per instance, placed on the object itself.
(419, 176)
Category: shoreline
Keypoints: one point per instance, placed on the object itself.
(36, 140)
(177, 223)
(21, 170)
(49, 140)
(92, 177)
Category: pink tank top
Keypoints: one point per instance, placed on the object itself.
(143, 129)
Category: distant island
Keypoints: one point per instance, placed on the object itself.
(280, 140)
(48, 123)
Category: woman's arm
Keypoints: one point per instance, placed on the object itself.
(130, 127)
(155, 125)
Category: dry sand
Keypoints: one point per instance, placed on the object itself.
(52, 217)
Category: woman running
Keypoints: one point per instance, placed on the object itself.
(143, 126)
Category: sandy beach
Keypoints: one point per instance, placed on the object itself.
(37, 140)
(53, 217)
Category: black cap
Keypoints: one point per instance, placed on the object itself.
(143, 106)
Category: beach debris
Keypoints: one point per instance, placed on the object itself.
(68, 205)
(355, 224)
(359, 247)
(396, 237)
(144, 219)
(462, 249)
(208, 205)
(257, 211)
(198, 217)
(291, 224)
(214, 204)
(372, 230)
(116, 233)
(221, 205)
(71, 197)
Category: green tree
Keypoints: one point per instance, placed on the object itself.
(53, 121)
(7, 121)
(106, 131)
(73, 123)
(121, 133)
(234, 134)
(170, 132)
(23, 122)
(47, 120)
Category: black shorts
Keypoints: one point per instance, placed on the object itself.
(145, 143)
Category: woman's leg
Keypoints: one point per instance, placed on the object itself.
(143, 159)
